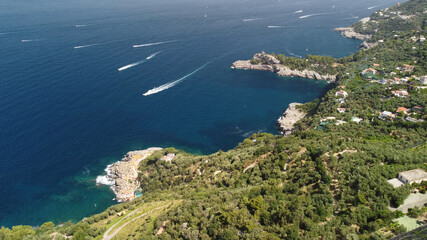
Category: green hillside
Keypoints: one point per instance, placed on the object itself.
(327, 180)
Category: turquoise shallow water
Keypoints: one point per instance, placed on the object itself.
(67, 112)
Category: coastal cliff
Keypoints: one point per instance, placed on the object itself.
(332, 182)
(123, 175)
(270, 63)
(287, 121)
(350, 32)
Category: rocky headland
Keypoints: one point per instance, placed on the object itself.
(286, 123)
(123, 175)
(350, 32)
(271, 64)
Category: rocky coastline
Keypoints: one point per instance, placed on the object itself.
(122, 176)
(350, 32)
(281, 70)
(286, 123)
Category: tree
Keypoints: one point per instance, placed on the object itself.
(80, 234)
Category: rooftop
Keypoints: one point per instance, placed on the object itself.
(401, 109)
(395, 182)
(414, 175)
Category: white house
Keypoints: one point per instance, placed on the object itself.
(400, 93)
(356, 119)
(341, 93)
(423, 80)
(370, 71)
(341, 110)
(386, 115)
(413, 176)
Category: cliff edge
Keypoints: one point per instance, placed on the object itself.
(286, 123)
(123, 175)
(271, 64)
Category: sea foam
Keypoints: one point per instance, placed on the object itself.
(106, 179)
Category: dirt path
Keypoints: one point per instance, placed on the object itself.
(108, 236)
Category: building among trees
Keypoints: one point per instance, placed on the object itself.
(413, 176)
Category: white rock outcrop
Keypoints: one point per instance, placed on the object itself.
(123, 175)
(292, 115)
(349, 32)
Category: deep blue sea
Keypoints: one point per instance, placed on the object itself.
(66, 111)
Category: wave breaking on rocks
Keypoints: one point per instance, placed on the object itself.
(122, 176)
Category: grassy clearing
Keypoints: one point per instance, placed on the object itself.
(409, 223)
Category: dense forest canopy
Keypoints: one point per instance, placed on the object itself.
(327, 180)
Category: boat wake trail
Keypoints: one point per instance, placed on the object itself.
(252, 19)
(86, 46)
(30, 40)
(311, 15)
(153, 55)
(373, 7)
(275, 26)
(352, 17)
(152, 44)
(82, 25)
(172, 84)
(131, 65)
(245, 135)
(299, 11)
(293, 54)
(139, 62)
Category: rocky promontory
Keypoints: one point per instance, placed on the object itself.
(286, 122)
(349, 32)
(271, 64)
(123, 175)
